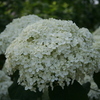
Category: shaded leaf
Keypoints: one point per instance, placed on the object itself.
(86, 86)
(96, 78)
(74, 91)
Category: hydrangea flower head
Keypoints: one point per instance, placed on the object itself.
(13, 29)
(96, 36)
(52, 50)
(5, 82)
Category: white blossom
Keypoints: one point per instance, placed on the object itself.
(13, 29)
(94, 92)
(52, 50)
(5, 82)
(96, 36)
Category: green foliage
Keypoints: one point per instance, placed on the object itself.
(9, 9)
(74, 91)
(83, 12)
(2, 61)
(96, 78)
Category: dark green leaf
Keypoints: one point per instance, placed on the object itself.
(86, 86)
(74, 91)
(96, 78)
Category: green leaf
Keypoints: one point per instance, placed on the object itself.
(74, 91)
(86, 86)
(96, 78)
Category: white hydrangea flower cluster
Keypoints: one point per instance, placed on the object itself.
(5, 82)
(52, 50)
(94, 91)
(96, 36)
(14, 28)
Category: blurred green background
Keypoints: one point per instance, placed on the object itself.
(85, 13)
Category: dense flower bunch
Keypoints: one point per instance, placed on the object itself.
(96, 36)
(5, 82)
(13, 29)
(52, 50)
